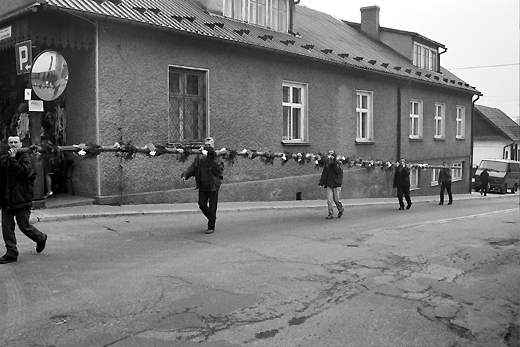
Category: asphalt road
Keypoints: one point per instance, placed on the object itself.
(443, 276)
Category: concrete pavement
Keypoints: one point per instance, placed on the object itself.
(72, 211)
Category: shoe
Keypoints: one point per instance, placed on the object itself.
(6, 259)
(401, 208)
(40, 245)
(441, 203)
(48, 194)
(340, 213)
(210, 231)
(330, 216)
(408, 206)
(449, 203)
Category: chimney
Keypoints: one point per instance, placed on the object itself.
(370, 21)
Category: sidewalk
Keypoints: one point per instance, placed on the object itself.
(93, 211)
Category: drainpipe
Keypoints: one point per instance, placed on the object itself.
(504, 150)
(399, 120)
(439, 62)
(471, 138)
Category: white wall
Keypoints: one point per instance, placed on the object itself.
(487, 150)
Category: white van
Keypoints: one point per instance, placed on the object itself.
(503, 175)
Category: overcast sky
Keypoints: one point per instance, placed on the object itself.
(478, 34)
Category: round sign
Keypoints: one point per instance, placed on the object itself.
(49, 75)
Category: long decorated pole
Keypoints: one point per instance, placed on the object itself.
(129, 151)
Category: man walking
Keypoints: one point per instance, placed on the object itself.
(331, 179)
(16, 193)
(402, 183)
(445, 183)
(208, 170)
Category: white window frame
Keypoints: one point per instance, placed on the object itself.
(364, 116)
(440, 119)
(457, 171)
(416, 116)
(272, 16)
(414, 178)
(288, 120)
(425, 57)
(461, 122)
(435, 177)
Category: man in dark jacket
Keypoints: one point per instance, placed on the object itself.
(484, 180)
(445, 183)
(208, 170)
(16, 193)
(331, 179)
(402, 183)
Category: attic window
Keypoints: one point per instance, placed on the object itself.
(272, 14)
(424, 57)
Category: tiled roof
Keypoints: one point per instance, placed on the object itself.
(320, 36)
(498, 118)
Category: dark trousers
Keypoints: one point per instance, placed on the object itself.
(446, 186)
(208, 205)
(403, 191)
(22, 219)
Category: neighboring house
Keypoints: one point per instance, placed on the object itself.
(263, 75)
(495, 135)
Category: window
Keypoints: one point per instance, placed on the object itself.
(294, 112)
(424, 57)
(439, 121)
(461, 122)
(435, 177)
(414, 178)
(272, 14)
(456, 172)
(416, 119)
(187, 114)
(364, 116)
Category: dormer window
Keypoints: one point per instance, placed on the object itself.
(425, 57)
(272, 14)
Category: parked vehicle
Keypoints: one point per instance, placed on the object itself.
(503, 175)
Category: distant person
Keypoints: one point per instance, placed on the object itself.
(16, 195)
(484, 180)
(402, 183)
(47, 139)
(208, 171)
(331, 179)
(445, 182)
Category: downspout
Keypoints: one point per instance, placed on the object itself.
(96, 63)
(504, 150)
(439, 62)
(471, 139)
(399, 120)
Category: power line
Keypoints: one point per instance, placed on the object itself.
(482, 66)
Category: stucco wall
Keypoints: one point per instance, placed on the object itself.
(245, 107)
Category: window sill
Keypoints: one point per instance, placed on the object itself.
(364, 142)
(418, 139)
(439, 139)
(296, 143)
(460, 138)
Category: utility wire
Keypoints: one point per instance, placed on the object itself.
(482, 66)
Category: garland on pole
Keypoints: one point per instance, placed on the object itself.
(128, 151)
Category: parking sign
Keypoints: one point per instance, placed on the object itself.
(23, 57)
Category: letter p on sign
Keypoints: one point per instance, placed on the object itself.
(23, 57)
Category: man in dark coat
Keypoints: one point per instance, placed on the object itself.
(208, 170)
(331, 179)
(16, 193)
(484, 180)
(445, 183)
(402, 183)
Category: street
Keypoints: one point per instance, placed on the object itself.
(439, 276)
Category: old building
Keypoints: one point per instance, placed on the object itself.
(271, 75)
(495, 135)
